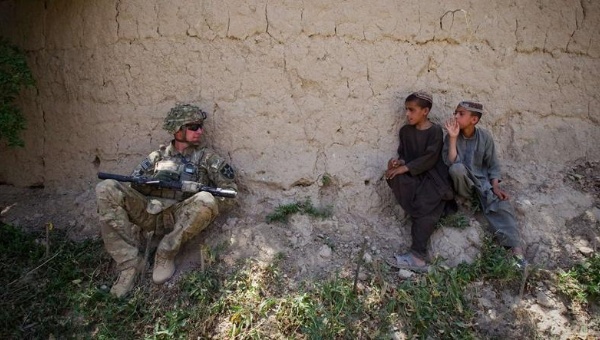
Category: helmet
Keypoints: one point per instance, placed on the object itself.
(183, 114)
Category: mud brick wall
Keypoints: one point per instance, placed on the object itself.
(297, 90)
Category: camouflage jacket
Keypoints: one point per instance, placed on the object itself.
(198, 164)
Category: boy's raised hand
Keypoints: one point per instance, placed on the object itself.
(452, 127)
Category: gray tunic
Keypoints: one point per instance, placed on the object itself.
(478, 154)
(477, 165)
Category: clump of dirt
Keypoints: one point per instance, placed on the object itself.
(585, 177)
(584, 229)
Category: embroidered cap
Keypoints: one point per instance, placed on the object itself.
(423, 95)
(472, 106)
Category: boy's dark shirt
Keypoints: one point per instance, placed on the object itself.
(421, 150)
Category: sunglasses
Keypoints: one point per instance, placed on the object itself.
(194, 127)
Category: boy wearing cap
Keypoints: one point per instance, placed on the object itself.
(419, 179)
(470, 153)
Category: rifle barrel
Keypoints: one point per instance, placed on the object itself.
(175, 185)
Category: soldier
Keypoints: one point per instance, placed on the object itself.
(128, 212)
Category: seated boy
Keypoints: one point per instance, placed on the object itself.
(470, 153)
(419, 179)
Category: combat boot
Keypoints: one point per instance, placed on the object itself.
(164, 267)
(125, 282)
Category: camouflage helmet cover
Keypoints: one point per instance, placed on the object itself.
(183, 114)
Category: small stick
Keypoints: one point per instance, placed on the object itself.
(526, 272)
(359, 262)
(6, 209)
(49, 226)
(202, 260)
(34, 269)
(523, 281)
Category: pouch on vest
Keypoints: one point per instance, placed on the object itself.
(167, 170)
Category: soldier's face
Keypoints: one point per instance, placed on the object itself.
(193, 132)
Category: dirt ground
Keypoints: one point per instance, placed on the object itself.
(318, 248)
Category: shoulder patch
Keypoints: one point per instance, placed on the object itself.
(146, 164)
(227, 171)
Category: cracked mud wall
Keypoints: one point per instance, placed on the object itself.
(297, 89)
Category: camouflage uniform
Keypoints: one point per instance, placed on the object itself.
(127, 212)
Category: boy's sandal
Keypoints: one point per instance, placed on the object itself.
(406, 261)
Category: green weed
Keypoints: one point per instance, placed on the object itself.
(456, 220)
(65, 294)
(494, 263)
(14, 76)
(282, 212)
(326, 180)
(62, 293)
(475, 203)
(582, 282)
(435, 303)
(435, 306)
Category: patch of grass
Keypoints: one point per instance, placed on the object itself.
(42, 295)
(326, 180)
(456, 220)
(100, 314)
(582, 282)
(494, 263)
(435, 303)
(283, 212)
(14, 76)
(435, 306)
(64, 294)
(475, 203)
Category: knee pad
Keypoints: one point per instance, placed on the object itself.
(206, 199)
(108, 188)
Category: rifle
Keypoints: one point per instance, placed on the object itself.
(185, 186)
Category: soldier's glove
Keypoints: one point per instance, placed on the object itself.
(190, 186)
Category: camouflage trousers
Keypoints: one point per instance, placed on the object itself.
(124, 221)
